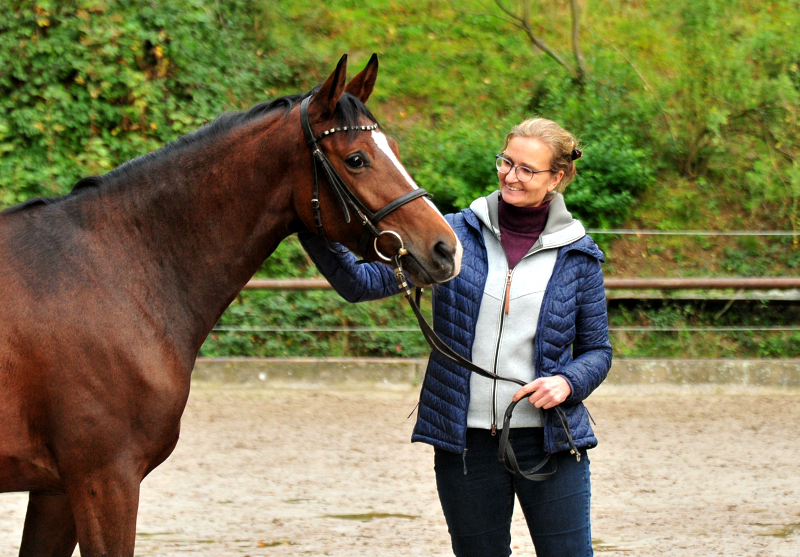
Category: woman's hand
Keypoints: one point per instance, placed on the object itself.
(547, 392)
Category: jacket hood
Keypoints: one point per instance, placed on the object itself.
(561, 228)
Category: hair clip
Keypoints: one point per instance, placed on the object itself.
(576, 154)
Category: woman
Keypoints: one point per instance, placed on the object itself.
(529, 303)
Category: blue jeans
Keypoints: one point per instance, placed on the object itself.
(478, 504)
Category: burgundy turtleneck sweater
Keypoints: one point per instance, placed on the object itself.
(520, 227)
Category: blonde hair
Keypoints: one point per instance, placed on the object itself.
(563, 145)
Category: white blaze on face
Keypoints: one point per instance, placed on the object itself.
(383, 145)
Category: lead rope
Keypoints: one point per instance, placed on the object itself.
(505, 453)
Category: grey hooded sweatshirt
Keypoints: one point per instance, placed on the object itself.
(509, 313)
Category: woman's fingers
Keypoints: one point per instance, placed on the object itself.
(526, 390)
(545, 392)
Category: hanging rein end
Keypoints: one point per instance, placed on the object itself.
(573, 450)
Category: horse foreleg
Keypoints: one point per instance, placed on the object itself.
(105, 504)
(49, 526)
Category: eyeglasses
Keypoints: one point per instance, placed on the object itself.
(524, 174)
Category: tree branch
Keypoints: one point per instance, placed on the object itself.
(506, 10)
(524, 24)
(487, 13)
(579, 63)
(522, 21)
(546, 49)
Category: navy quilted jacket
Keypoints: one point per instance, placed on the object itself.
(571, 339)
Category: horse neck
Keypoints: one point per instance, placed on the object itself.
(203, 220)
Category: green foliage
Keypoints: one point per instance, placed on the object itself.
(451, 104)
(732, 109)
(292, 312)
(754, 257)
(672, 342)
(688, 118)
(457, 165)
(613, 173)
(612, 125)
(288, 313)
(87, 85)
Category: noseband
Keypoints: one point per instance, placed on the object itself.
(346, 197)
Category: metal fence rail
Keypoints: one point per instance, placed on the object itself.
(416, 329)
(646, 232)
(737, 284)
(700, 283)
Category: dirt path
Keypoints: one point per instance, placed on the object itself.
(289, 471)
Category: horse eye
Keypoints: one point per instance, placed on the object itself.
(355, 161)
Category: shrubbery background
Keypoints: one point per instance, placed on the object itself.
(688, 116)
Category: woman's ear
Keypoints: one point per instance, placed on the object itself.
(557, 180)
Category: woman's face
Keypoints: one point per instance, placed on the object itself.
(535, 155)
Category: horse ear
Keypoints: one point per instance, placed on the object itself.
(361, 85)
(328, 95)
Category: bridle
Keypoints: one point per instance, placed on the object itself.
(345, 197)
(369, 220)
(505, 452)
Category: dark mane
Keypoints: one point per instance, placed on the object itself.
(347, 114)
(32, 202)
(88, 182)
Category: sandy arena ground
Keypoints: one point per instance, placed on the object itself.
(277, 471)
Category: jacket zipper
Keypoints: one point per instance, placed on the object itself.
(506, 302)
(506, 307)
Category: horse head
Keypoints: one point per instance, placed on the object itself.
(362, 177)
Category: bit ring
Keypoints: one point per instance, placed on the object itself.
(400, 252)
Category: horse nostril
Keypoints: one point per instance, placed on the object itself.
(443, 254)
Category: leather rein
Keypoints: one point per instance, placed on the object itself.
(505, 452)
(369, 220)
(344, 196)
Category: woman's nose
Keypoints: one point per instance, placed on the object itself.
(511, 175)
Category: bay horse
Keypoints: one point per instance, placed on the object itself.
(109, 291)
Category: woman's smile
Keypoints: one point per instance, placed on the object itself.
(533, 155)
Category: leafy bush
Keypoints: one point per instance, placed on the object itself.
(287, 313)
(701, 314)
(612, 120)
(85, 86)
(457, 165)
(703, 94)
(733, 104)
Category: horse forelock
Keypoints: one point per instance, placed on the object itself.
(349, 110)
